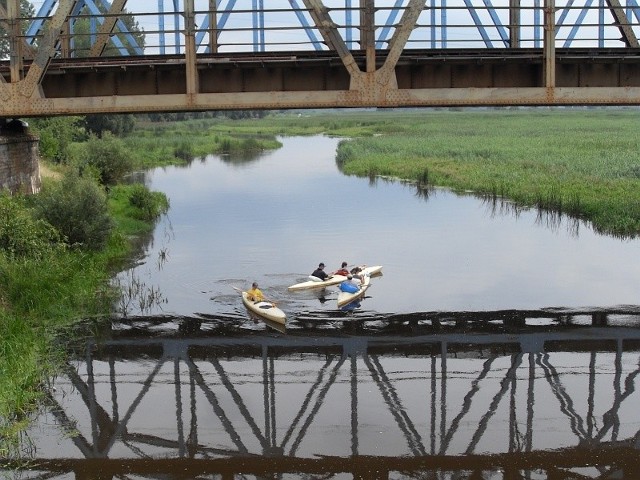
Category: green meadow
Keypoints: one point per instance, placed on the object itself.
(583, 162)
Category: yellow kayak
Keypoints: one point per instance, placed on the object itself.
(264, 309)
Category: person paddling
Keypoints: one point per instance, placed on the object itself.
(255, 295)
(350, 285)
(320, 273)
(343, 270)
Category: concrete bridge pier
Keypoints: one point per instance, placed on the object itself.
(19, 167)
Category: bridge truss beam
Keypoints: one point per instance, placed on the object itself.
(46, 73)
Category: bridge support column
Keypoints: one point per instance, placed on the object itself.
(15, 42)
(19, 168)
(549, 44)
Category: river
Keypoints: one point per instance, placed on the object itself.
(498, 342)
(274, 218)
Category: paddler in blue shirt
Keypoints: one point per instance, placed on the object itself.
(350, 285)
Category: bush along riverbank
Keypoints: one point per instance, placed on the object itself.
(58, 252)
(59, 249)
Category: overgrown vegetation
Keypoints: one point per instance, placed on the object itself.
(165, 143)
(583, 163)
(58, 252)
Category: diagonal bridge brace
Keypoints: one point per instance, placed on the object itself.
(29, 86)
(377, 84)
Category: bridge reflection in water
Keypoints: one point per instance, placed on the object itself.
(153, 401)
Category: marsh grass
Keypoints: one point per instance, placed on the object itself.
(580, 162)
(40, 296)
(173, 143)
(584, 162)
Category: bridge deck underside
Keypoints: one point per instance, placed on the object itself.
(291, 74)
(268, 81)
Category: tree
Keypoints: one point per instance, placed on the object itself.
(26, 11)
(82, 38)
(116, 124)
(56, 134)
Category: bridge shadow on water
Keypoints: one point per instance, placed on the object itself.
(436, 395)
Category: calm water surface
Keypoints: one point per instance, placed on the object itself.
(191, 387)
(273, 219)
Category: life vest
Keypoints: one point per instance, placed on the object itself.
(348, 287)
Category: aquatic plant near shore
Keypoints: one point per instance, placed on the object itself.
(567, 161)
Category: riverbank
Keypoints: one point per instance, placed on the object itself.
(582, 162)
(48, 285)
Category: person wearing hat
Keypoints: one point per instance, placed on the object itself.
(320, 273)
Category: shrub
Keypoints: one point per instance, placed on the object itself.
(149, 205)
(109, 157)
(77, 208)
(21, 234)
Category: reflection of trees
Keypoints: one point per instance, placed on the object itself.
(242, 158)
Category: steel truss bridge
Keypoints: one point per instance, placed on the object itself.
(87, 56)
(248, 405)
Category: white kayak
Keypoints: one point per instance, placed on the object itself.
(315, 282)
(264, 309)
(345, 298)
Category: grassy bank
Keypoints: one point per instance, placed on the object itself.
(585, 163)
(157, 144)
(581, 162)
(46, 286)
